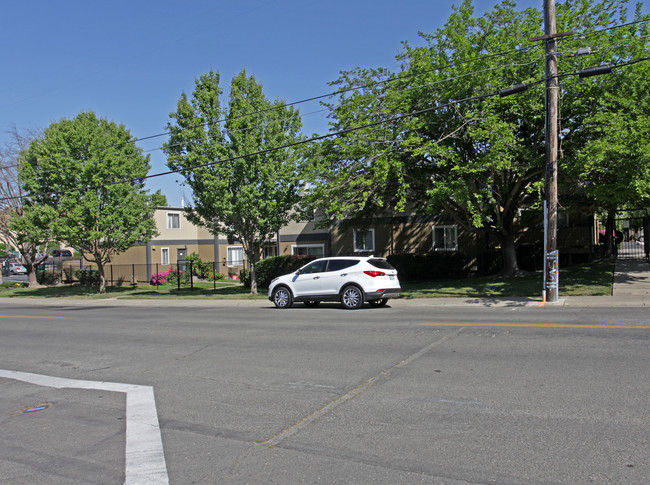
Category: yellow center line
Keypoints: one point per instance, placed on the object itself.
(30, 316)
(538, 325)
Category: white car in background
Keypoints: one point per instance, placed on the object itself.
(16, 268)
(351, 280)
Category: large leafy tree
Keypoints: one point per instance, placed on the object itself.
(244, 184)
(606, 136)
(435, 138)
(85, 180)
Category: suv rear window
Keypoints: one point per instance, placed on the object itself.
(340, 264)
(380, 263)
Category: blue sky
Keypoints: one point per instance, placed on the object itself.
(130, 61)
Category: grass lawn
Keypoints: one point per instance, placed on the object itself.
(592, 279)
(584, 280)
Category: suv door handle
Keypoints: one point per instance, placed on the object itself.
(344, 274)
(316, 277)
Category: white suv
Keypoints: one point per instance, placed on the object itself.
(350, 280)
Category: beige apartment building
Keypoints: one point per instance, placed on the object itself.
(178, 238)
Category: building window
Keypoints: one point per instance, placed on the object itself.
(173, 220)
(235, 256)
(164, 255)
(270, 250)
(445, 238)
(317, 250)
(364, 240)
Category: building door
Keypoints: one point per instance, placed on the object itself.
(181, 256)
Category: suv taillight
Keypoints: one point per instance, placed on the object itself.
(374, 274)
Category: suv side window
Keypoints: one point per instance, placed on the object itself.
(315, 267)
(341, 264)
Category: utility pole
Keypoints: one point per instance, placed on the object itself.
(552, 95)
(551, 256)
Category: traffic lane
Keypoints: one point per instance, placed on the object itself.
(507, 406)
(223, 382)
(231, 379)
(401, 311)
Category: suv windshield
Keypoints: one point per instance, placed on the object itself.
(380, 263)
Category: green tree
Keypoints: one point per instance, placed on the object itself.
(15, 214)
(243, 185)
(606, 135)
(434, 138)
(85, 180)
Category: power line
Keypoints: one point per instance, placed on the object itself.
(323, 96)
(354, 88)
(328, 135)
(420, 86)
(291, 145)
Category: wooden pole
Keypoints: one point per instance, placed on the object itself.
(552, 95)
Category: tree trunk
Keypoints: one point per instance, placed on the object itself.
(102, 278)
(32, 282)
(253, 278)
(509, 253)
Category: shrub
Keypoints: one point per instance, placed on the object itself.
(87, 276)
(272, 267)
(159, 278)
(434, 265)
(47, 277)
(68, 275)
(175, 275)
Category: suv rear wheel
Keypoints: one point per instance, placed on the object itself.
(352, 297)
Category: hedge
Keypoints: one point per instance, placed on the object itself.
(268, 269)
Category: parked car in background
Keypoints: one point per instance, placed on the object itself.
(61, 253)
(16, 268)
(350, 280)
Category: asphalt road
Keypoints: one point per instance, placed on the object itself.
(245, 393)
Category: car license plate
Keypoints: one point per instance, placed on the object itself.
(391, 277)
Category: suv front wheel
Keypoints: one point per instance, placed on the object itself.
(352, 297)
(282, 297)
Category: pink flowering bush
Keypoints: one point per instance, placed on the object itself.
(159, 278)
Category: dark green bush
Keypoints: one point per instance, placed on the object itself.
(87, 276)
(270, 268)
(428, 266)
(68, 275)
(48, 277)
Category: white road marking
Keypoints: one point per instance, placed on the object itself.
(145, 459)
